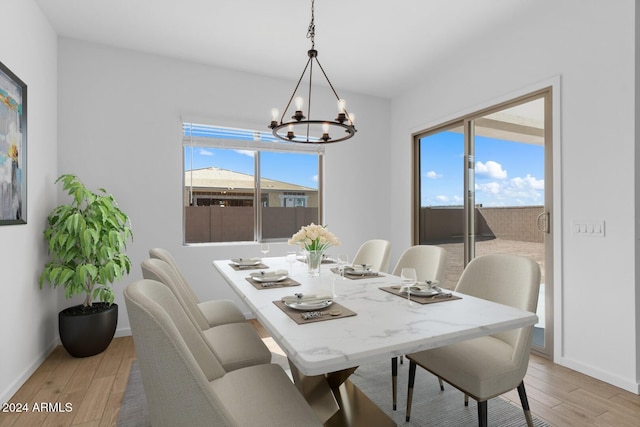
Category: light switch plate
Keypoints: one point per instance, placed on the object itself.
(588, 228)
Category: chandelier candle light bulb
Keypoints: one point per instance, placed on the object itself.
(342, 116)
(325, 132)
(274, 116)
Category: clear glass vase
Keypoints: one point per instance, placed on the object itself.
(314, 261)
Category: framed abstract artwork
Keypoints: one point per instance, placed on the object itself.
(13, 148)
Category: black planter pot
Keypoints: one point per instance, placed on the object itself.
(87, 331)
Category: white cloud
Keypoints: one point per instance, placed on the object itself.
(248, 153)
(442, 200)
(433, 175)
(491, 169)
(489, 187)
(528, 182)
(517, 191)
(314, 178)
(204, 152)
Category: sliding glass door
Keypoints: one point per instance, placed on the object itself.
(483, 185)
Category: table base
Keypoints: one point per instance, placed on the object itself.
(356, 409)
(337, 401)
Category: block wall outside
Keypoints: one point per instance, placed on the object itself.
(509, 223)
(235, 224)
(512, 223)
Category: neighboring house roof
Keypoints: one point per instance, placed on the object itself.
(216, 178)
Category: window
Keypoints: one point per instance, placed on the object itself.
(244, 185)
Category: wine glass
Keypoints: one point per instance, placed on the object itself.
(408, 278)
(343, 260)
(291, 258)
(264, 248)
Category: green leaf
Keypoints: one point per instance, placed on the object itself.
(86, 239)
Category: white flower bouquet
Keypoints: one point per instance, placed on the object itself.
(314, 237)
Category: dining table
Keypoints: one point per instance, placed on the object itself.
(375, 322)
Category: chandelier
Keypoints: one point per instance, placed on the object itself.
(308, 130)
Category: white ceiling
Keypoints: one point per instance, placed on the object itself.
(371, 47)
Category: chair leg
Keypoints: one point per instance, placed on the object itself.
(412, 380)
(402, 360)
(482, 413)
(394, 380)
(466, 396)
(525, 404)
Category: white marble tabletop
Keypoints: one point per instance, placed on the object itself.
(385, 326)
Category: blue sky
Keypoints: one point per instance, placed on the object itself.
(295, 168)
(507, 173)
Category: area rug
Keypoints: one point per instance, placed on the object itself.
(431, 407)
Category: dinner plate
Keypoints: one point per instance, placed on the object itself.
(426, 292)
(354, 272)
(310, 305)
(245, 262)
(269, 277)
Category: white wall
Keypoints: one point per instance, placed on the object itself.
(120, 128)
(590, 45)
(27, 314)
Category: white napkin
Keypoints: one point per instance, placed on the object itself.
(270, 274)
(306, 298)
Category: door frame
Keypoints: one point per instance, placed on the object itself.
(553, 193)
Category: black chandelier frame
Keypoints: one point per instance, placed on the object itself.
(308, 128)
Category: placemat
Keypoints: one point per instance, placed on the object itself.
(260, 266)
(419, 299)
(357, 276)
(296, 315)
(272, 285)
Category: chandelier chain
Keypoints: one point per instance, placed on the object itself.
(311, 31)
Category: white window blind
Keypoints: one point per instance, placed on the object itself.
(198, 134)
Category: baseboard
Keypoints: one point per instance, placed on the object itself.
(8, 393)
(124, 332)
(599, 374)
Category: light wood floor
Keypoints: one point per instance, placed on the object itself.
(95, 387)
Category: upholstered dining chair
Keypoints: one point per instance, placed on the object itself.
(489, 366)
(236, 345)
(374, 253)
(429, 261)
(217, 312)
(186, 385)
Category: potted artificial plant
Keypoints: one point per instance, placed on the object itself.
(87, 242)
